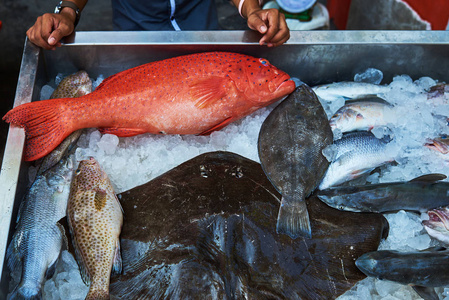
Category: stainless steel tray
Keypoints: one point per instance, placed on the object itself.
(313, 56)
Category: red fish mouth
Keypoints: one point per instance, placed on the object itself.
(284, 80)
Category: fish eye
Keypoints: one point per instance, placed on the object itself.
(264, 62)
(77, 171)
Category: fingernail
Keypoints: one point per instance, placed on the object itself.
(263, 28)
(51, 40)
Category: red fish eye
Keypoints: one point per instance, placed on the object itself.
(264, 62)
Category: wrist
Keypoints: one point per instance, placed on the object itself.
(70, 8)
(247, 7)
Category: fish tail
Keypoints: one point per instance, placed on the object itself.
(293, 219)
(45, 125)
(98, 293)
(26, 292)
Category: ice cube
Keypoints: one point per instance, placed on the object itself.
(370, 75)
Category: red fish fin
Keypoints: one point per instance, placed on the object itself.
(218, 126)
(44, 126)
(209, 90)
(122, 132)
(119, 75)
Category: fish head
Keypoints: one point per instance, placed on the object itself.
(73, 86)
(439, 144)
(345, 119)
(438, 224)
(89, 175)
(261, 82)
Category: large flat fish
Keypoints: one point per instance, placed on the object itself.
(206, 230)
(190, 94)
(291, 141)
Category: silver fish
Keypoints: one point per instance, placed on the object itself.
(427, 268)
(363, 114)
(356, 153)
(290, 146)
(349, 90)
(420, 194)
(38, 238)
(438, 224)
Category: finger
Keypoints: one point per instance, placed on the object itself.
(35, 36)
(281, 36)
(272, 19)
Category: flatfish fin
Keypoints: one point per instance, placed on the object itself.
(293, 218)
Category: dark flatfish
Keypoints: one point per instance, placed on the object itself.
(290, 144)
(205, 230)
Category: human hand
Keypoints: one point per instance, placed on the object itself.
(271, 23)
(49, 29)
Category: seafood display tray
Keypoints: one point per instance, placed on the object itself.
(315, 57)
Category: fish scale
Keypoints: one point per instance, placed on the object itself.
(190, 94)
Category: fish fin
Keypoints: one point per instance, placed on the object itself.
(427, 293)
(293, 218)
(122, 132)
(117, 262)
(78, 256)
(44, 125)
(79, 259)
(218, 126)
(370, 98)
(208, 90)
(434, 249)
(14, 260)
(100, 199)
(51, 269)
(429, 178)
(63, 228)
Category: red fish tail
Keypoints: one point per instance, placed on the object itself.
(44, 123)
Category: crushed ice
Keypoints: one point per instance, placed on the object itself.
(135, 160)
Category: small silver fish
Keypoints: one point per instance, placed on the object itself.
(356, 153)
(438, 224)
(349, 90)
(38, 237)
(95, 220)
(363, 114)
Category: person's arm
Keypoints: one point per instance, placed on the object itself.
(50, 28)
(269, 22)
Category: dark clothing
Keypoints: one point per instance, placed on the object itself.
(164, 15)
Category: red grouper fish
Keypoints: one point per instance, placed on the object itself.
(191, 94)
